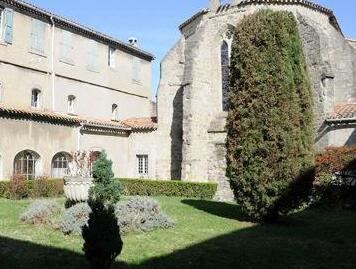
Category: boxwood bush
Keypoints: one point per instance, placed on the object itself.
(143, 187)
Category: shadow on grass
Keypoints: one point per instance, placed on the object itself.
(322, 240)
(17, 254)
(223, 210)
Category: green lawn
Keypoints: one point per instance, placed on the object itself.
(208, 235)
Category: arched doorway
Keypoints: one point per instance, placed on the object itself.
(27, 164)
(60, 163)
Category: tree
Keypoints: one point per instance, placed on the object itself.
(270, 120)
(102, 240)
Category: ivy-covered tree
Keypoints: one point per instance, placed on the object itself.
(270, 120)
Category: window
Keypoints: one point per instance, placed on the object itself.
(114, 110)
(6, 25)
(111, 57)
(26, 164)
(67, 47)
(35, 98)
(136, 69)
(142, 163)
(225, 75)
(71, 104)
(60, 163)
(37, 36)
(93, 56)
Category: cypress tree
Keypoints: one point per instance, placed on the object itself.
(270, 121)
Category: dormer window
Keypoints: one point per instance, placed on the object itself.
(115, 112)
(36, 98)
(71, 104)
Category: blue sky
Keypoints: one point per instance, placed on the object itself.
(155, 22)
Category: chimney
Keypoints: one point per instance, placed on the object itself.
(133, 42)
(214, 5)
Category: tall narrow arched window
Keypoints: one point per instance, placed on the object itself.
(60, 163)
(114, 112)
(27, 164)
(71, 104)
(35, 98)
(225, 75)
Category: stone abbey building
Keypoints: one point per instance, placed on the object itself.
(64, 87)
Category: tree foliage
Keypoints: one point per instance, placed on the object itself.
(270, 121)
(105, 187)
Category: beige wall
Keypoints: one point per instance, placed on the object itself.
(44, 139)
(21, 70)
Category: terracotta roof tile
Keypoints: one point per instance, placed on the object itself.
(343, 111)
(141, 123)
(135, 124)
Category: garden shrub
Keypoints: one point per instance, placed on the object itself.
(19, 188)
(40, 212)
(102, 240)
(144, 187)
(332, 186)
(270, 119)
(141, 214)
(105, 188)
(75, 218)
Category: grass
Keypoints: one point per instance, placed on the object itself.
(208, 235)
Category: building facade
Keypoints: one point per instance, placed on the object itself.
(194, 86)
(65, 87)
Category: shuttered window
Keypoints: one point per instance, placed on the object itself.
(111, 59)
(67, 46)
(7, 25)
(93, 56)
(37, 36)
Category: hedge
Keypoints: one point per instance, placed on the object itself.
(130, 187)
(143, 187)
(31, 189)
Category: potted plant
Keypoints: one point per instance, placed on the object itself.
(79, 179)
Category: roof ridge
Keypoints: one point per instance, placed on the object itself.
(21, 4)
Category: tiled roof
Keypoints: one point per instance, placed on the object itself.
(134, 124)
(38, 114)
(140, 124)
(58, 20)
(343, 112)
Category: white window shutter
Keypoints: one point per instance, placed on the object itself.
(92, 56)
(37, 35)
(136, 70)
(66, 45)
(8, 25)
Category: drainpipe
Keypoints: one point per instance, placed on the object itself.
(53, 75)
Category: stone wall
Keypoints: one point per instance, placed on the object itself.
(331, 65)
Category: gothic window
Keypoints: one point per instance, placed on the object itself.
(225, 75)
(26, 164)
(60, 163)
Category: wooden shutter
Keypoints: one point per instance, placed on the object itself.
(37, 36)
(8, 25)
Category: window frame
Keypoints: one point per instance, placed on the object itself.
(22, 160)
(111, 57)
(142, 165)
(71, 100)
(40, 34)
(136, 69)
(114, 112)
(38, 101)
